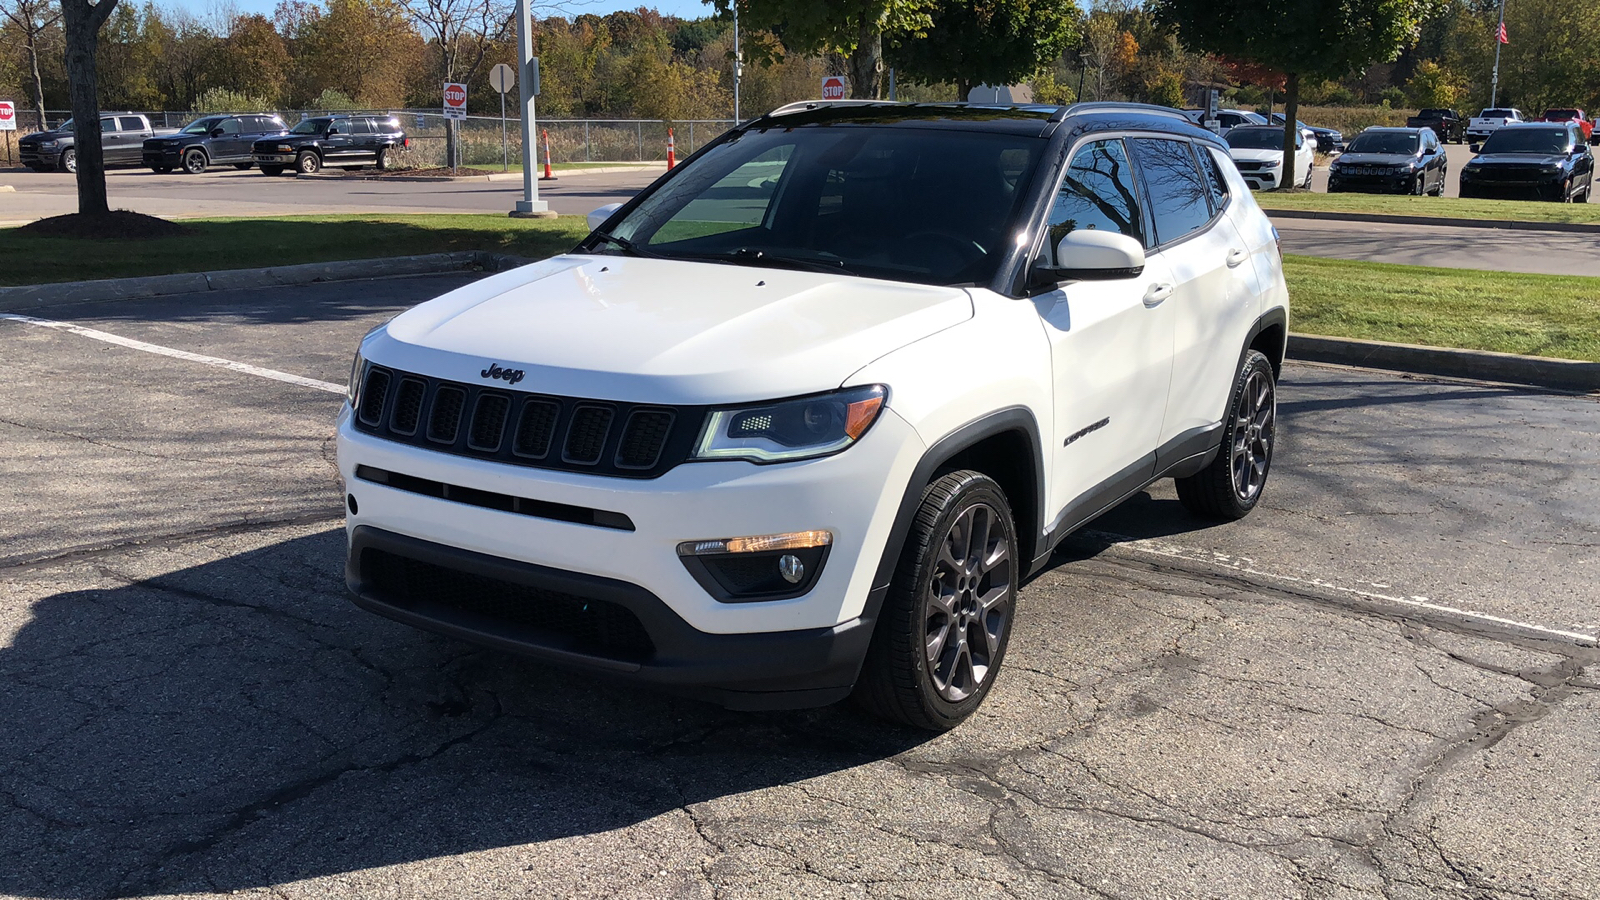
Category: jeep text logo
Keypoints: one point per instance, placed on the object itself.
(509, 376)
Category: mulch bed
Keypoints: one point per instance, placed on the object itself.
(118, 225)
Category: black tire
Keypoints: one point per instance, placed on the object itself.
(1232, 484)
(898, 680)
(195, 162)
(242, 166)
(382, 161)
(308, 163)
(69, 161)
(1417, 187)
(272, 170)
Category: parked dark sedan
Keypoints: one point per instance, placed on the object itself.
(1533, 161)
(1329, 140)
(211, 140)
(1391, 161)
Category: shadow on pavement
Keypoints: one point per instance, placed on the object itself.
(238, 723)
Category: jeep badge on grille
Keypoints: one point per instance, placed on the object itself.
(509, 376)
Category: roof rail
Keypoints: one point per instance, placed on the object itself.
(800, 105)
(1114, 106)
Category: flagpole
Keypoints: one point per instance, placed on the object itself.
(1494, 84)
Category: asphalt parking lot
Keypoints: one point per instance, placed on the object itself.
(1382, 684)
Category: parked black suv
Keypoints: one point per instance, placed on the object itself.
(1536, 161)
(332, 141)
(1391, 161)
(211, 140)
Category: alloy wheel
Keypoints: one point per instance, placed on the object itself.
(1253, 428)
(69, 161)
(968, 603)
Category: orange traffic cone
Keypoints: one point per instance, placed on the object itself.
(672, 150)
(547, 175)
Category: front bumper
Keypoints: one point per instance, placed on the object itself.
(740, 654)
(1371, 184)
(1553, 188)
(274, 159)
(32, 155)
(1262, 179)
(163, 157)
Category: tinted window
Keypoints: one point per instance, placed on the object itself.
(310, 126)
(200, 126)
(1522, 139)
(131, 123)
(1097, 193)
(108, 124)
(1215, 180)
(1179, 196)
(365, 126)
(1383, 142)
(1498, 113)
(230, 126)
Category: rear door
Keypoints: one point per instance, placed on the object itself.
(1111, 343)
(1215, 288)
(131, 132)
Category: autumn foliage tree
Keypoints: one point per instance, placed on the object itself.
(972, 42)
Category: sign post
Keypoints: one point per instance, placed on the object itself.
(530, 206)
(834, 88)
(8, 124)
(455, 109)
(503, 78)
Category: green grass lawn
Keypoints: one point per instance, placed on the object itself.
(254, 242)
(1448, 207)
(1536, 315)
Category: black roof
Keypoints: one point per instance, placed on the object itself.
(1029, 119)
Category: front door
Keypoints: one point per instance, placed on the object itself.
(234, 144)
(1111, 344)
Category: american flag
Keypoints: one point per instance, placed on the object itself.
(1502, 35)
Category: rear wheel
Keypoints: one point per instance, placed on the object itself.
(195, 162)
(272, 170)
(308, 163)
(69, 161)
(383, 158)
(1231, 485)
(946, 622)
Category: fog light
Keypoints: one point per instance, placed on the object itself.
(791, 568)
(762, 567)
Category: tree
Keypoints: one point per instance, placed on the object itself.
(35, 20)
(459, 34)
(1432, 85)
(974, 42)
(854, 29)
(83, 19)
(1320, 38)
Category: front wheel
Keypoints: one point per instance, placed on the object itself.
(69, 161)
(946, 622)
(308, 163)
(1231, 485)
(195, 162)
(1417, 186)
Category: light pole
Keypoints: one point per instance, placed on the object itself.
(530, 206)
(738, 61)
(1494, 83)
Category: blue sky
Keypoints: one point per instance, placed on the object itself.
(685, 8)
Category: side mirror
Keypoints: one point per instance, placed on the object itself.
(1089, 255)
(599, 216)
(217, 132)
(1474, 147)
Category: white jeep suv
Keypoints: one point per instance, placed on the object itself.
(799, 419)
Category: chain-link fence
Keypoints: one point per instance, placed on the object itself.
(571, 140)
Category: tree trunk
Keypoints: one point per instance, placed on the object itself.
(1291, 131)
(38, 82)
(83, 23)
(866, 63)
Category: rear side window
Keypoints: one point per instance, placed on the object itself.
(1216, 182)
(130, 123)
(363, 126)
(1097, 193)
(1180, 198)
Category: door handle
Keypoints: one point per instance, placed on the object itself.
(1236, 257)
(1157, 293)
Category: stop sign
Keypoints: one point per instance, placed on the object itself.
(455, 100)
(833, 88)
(8, 116)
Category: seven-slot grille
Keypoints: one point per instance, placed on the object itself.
(575, 434)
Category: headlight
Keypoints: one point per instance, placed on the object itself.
(284, 148)
(786, 430)
(1272, 164)
(48, 145)
(352, 391)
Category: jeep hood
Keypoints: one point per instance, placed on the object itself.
(1377, 159)
(1246, 155)
(665, 331)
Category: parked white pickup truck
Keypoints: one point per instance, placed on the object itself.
(1488, 121)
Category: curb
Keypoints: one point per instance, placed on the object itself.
(38, 296)
(1479, 365)
(497, 176)
(1504, 224)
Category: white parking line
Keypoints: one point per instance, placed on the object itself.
(1247, 566)
(230, 365)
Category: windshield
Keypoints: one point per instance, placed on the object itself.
(909, 204)
(1434, 114)
(311, 126)
(1495, 114)
(1526, 140)
(1383, 142)
(1255, 138)
(1561, 114)
(200, 126)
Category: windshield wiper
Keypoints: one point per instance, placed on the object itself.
(753, 257)
(627, 246)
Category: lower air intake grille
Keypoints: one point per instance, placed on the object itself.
(596, 627)
(595, 436)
